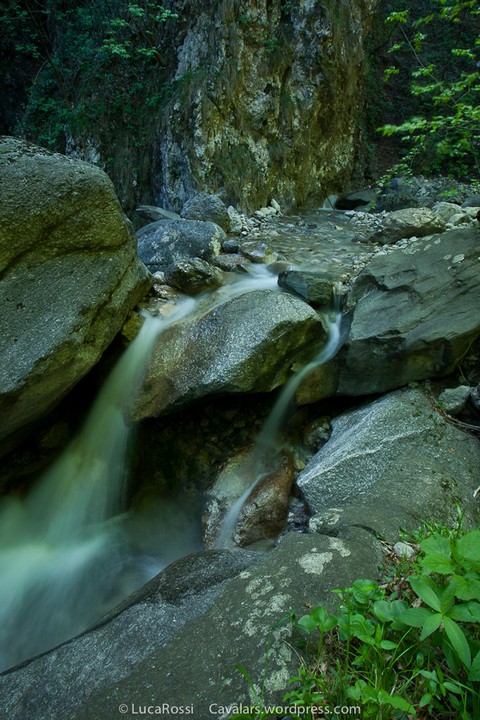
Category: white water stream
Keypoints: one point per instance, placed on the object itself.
(257, 465)
(63, 548)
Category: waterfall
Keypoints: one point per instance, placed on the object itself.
(256, 466)
(67, 527)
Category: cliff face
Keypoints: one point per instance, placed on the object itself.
(267, 101)
(252, 99)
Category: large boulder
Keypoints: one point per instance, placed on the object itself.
(178, 643)
(69, 276)
(391, 464)
(165, 243)
(415, 316)
(407, 223)
(247, 343)
(207, 207)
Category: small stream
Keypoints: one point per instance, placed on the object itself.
(65, 553)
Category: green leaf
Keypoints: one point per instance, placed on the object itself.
(388, 645)
(394, 701)
(426, 590)
(388, 611)
(474, 674)
(461, 613)
(432, 624)
(415, 617)
(468, 549)
(458, 641)
(438, 563)
(324, 620)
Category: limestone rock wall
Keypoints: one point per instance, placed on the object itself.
(267, 97)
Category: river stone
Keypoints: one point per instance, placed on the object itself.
(415, 316)
(181, 645)
(246, 344)
(406, 223)
(69, 276)
(315, 288)
(391, 464)
(194, 276)
(258, 252)
(207, 207)
(166, 242)
(454, 400)
(264, 514)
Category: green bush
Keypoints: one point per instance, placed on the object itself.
(441, 50)
(405, 648)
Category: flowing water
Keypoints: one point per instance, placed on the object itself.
(65, 551)
(257, 465)
(66, 556)
(62, 547)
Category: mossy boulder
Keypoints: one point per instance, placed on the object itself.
(69, 276)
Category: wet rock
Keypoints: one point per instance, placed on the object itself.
(70, 276)
(317, 432)
(407, 223)
(166, 242)
(207, 207)
(153, 213)
(258, 252)
(454, 400)
(194, 276)
(315, 288)
(391, 464)
(231, 246)
(264, 514)
(147, 650)
(246, 344)
(231, 263)
(415, 315)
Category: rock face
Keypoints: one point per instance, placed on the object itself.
(193, 616)
(415, 316)
(69, 276)
(246, 344)
(165, 243)
(277, 78)
(391, 464)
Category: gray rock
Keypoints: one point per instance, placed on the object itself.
(153, 213)
(315, 288)
(167, 242)
(446, 210)
(231, 263)
(472, 201)
(403, 550)
(407, 223)
(207, 207)
(231, 246)
(391, 464)
(245, 344)
(258, 252)
(475, 397)
(194, 276)
(152, 654)
(415, 316)
(69, 276)
(454, 400)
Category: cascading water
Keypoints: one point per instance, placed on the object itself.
(256, 466)
(65, 530)
(64, 548)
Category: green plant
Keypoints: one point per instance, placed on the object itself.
(405, 648)
(443, 134)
